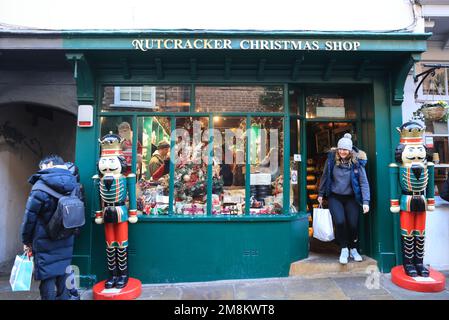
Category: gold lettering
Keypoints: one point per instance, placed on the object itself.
(347, 46)
(227, 44)
(207, 44)
(159, 42)
(296, 45)
(254, 44)
(167, 42)
(188, 44)
(218, 44)
(138, 44)
(196, 45)
(178, 44)
(264, 44)
(277, 44)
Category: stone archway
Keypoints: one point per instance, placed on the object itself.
(27, 132)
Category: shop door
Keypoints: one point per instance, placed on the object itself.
(323, 117)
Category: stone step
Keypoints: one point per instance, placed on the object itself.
(324, 263)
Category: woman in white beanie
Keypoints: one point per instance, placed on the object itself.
(345, 184)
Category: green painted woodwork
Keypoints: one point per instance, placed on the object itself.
(177, 248)
(209, 248)
(106, 40)
(400, 76)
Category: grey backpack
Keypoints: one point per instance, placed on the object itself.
(68, 216)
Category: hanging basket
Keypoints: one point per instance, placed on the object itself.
(434, 113)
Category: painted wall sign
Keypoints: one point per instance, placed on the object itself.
(244, 44)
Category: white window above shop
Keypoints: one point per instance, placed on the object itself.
(143, 96)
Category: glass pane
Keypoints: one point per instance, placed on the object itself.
(239, 99)
(122, 127)
(440, 178)
(154, 168)
(228, 191)
(295, 168)
(330, 106)
(266, 159)
(146, 98)
(294, 95)
(191, 165)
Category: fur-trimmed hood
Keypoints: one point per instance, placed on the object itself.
(358, 156)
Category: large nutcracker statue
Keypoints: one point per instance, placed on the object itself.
(114, 189)
(412, 192)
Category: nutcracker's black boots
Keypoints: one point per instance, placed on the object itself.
(408, 249)
(419, 257)
(112, 268)
(122, 260)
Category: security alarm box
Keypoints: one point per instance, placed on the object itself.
(85, 116)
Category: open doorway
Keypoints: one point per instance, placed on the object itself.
(321, 137)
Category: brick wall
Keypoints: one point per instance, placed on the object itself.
(212, 98)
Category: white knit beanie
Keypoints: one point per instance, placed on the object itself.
(345, 142)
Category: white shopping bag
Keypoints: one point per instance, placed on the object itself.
(323, 228)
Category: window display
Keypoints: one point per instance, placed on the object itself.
(191, 166)
(153, 185)
(230, 158)
(266, 160)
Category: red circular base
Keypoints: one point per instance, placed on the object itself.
(434, 283)
(132, 291)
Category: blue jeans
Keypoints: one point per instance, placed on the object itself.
(54, 288)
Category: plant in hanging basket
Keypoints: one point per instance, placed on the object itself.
(433, 111)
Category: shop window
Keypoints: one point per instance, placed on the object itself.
(330, 106)
(154, 167)
(294, 96)
(228, 191)
(239, 99)
(191, 166)
(146, 98)
(295, 161)
(266, 162)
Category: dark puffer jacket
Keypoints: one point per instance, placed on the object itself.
(51, 258)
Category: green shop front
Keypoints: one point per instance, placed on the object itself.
(248, 117)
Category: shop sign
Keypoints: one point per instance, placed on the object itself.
(244, 44)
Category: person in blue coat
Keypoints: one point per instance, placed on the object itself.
(51, 257)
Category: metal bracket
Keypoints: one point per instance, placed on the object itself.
(426, 73)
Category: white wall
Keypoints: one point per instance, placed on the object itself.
(326, 15)
(18, 163)
(437, 222)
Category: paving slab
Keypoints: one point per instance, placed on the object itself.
(207, 292)
(260, 290)
(358, 288)
(313, 289)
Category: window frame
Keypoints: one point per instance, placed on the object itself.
(193, 113)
